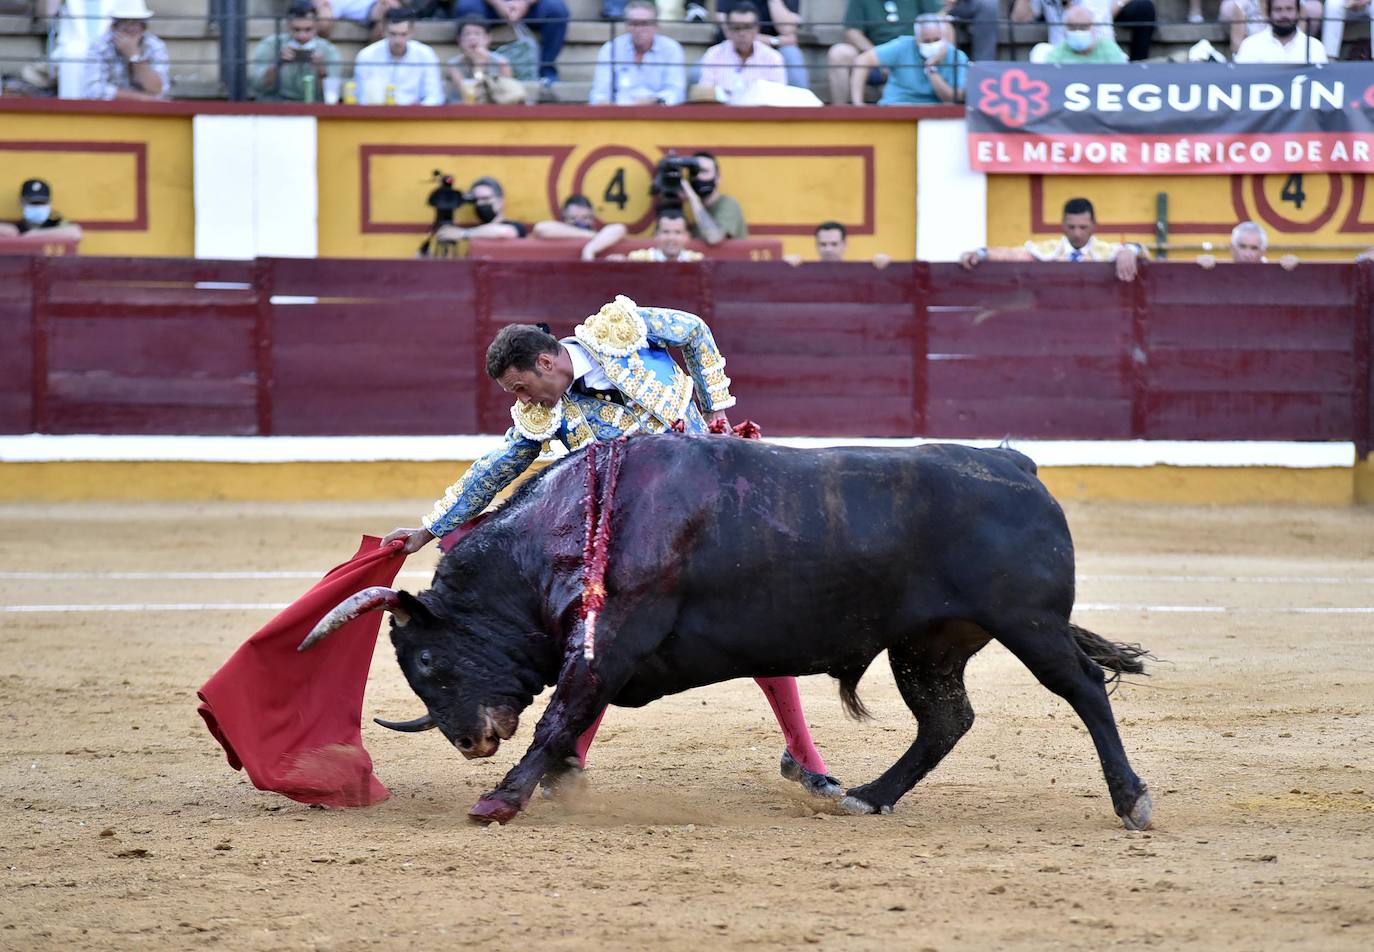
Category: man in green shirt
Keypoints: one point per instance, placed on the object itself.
(1081, 42)
(870, 23)
(281, 62)
(715, 216)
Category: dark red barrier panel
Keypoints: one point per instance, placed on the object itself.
(147, 346)
(372, 347)
(17, 281)
(1027, 350)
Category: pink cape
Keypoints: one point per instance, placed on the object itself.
(293, 720)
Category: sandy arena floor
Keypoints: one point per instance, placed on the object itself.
(1254, 733)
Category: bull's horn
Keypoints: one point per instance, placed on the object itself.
(423, 723)
(368, 600)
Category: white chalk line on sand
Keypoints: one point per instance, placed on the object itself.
(277, 606)
(249, 576)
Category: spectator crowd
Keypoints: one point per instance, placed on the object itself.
(894, 52)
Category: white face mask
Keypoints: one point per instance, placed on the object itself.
(37, 214)
(1079, 40)
(930, 49)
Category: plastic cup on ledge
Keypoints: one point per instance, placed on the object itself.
(332, 86)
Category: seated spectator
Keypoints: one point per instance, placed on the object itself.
(1081, 42)
(399, 67)
(670, 240)
(778, 22)
(923, 67)
(548, 17)
(742, 59)
(867, 23)
(715, 216)
(489, 203)
(128, 62)
(38, 221)
(1283, 41)
(281, 62)
(579, 224)
(1077, 244)
(368, 13)
(832, 241)
(478, 73)
(640, 65)
(1333, 27)
(1138, 16)
(1248, 244)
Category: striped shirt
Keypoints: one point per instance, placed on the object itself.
(107, 72)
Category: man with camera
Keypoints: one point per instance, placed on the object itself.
(714, 216)
(282, 62)
(488, 201)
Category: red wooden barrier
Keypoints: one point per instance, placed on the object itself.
(289, 346)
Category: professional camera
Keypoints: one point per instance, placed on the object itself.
(445, 200)
(666, 187)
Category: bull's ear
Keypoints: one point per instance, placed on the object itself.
(413, 607)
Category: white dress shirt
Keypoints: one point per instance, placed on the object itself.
(584, 368)
(1265, 47)
(415, 75)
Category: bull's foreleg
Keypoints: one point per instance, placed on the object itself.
(581, 695)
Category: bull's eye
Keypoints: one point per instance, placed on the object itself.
(425, 661)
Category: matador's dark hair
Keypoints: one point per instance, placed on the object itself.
(518, 346)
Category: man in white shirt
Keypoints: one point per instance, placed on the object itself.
(1283, 42)
(408, 66)
(640, 66)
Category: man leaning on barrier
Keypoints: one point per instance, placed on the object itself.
(832, 243)
(1078, 243)
(1248, 244)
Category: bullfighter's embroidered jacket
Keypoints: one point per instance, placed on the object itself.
(629, 343)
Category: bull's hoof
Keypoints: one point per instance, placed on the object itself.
(1139, 816)
(493, 810)
(853, 805)
(816, 784)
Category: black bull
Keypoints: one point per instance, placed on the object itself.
(735, 558)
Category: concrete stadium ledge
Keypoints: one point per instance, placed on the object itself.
(39, 467)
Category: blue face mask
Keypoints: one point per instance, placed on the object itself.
(37, 214)
(1080, 41)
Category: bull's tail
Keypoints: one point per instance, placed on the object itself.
(849, 692)
(1113, 657)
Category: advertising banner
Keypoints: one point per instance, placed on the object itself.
(1193, 118)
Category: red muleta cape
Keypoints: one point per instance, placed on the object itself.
(293, 720)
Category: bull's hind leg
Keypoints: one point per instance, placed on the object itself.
(1047, 646)
(929, 670)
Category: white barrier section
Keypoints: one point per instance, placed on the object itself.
(951, 198)
(33, 448)
(255, 186)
